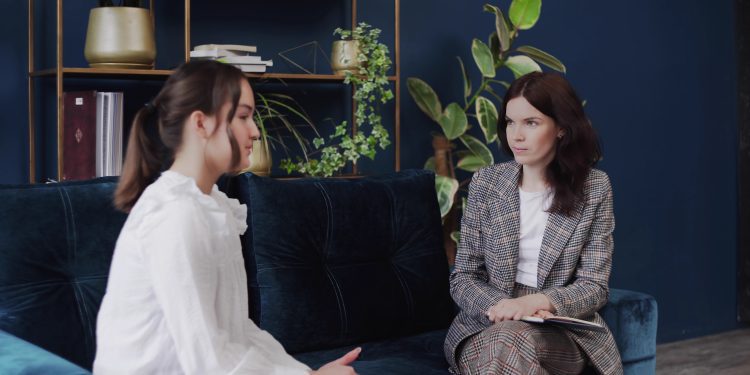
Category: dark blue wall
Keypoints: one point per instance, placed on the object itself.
(659, 78)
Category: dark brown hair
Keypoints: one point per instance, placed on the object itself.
(156, 133)
(576, 152)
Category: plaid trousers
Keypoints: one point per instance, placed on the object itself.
(516, 347)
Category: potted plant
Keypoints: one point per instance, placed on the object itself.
(372, 90)
(120, 36)
(454, 148)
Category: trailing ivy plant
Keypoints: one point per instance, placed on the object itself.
(478, 106)
(372, 90)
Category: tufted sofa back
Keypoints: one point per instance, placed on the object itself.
(56, 244)
(333, 262)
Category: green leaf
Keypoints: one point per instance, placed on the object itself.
(471, 163)
(542, 57)
(483, 58)
(487, 116)
(456, 236)
(494, 44)
(460, 154)
(446, 189)
(478, 148)
(521, 65)
(453, 121)
(501, 27)
(425, 97)
(525, 13)
(467, 82)
(430, 164)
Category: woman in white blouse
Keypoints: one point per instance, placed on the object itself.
(176, 301)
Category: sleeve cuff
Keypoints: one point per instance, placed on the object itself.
(556, 299)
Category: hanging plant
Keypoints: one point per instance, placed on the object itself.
(372, 90)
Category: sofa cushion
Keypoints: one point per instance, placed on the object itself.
(19, 357)
(332, 262)
(417, 354)
(56, 244)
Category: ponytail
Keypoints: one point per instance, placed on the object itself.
(143, 159)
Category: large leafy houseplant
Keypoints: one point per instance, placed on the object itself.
(454, 147)
(372, 90)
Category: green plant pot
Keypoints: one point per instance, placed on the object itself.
(120, 37)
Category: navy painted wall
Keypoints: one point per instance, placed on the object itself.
(659, 78)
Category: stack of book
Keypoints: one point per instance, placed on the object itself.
(92, 134)
(235, 54)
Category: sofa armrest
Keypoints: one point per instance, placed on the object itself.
(21, 357)
(632, 318)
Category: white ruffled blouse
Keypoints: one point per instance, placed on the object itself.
(176, 300)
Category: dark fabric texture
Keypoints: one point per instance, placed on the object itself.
(632, 318)
(333, 262)
(18, 357)
(420, 354)
(56, 244)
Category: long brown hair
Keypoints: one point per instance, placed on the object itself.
(156, 133)
(576, 152)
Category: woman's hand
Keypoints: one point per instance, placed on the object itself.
(544, 314)
(515, 308)
(340, 366)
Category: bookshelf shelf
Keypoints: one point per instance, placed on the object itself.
(59, 73)
(304, 77)
(151, 73)
(101, 73)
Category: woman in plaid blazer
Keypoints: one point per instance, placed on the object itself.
(543, 126)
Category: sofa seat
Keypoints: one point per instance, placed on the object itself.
(420, 354)
(22, 357)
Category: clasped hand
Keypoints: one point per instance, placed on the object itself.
(515, 308)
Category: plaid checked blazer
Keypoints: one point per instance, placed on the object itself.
(574, 262)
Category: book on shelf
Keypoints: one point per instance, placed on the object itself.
(228, 47)
(109, 133)
(79, 135)
(250, 68)
(245, 60)
(212, 54)
(566, 322)
(237, 55)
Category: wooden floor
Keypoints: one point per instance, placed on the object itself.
(723, 354)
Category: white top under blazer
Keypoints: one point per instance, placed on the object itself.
(533, 209)
(176, 300)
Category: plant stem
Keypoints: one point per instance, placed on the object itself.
(476, 94)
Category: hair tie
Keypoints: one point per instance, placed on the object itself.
(150, 107)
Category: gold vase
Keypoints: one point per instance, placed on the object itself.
(260, 159)
(344, 56)
(120, 37)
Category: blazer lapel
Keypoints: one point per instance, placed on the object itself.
(556, 235)
(505, 215)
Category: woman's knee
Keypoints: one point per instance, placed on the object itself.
(512, 332)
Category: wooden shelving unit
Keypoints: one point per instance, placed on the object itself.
(60, 72)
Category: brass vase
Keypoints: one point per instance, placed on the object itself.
(120, 37)
(260, 159)
(344, 56)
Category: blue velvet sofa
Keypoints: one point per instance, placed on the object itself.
(332, 264)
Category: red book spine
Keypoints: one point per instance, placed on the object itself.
(79, 135)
